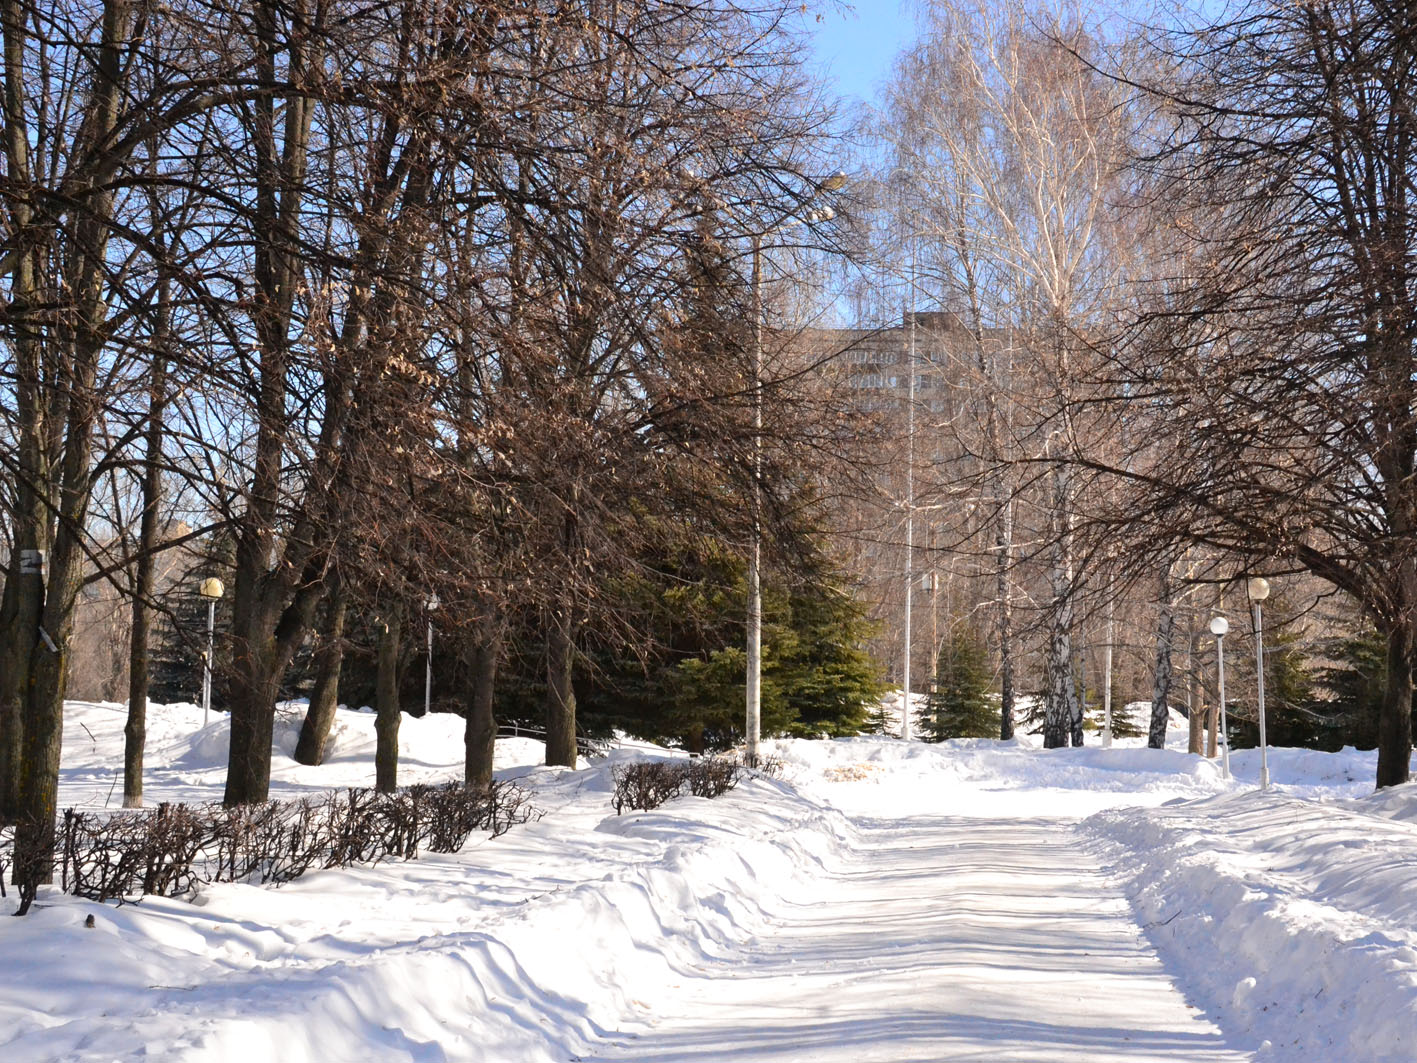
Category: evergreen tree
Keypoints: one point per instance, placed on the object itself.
(962, 705)
(683, 683)
(1353, 685)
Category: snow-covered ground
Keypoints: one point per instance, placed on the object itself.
(879, 901)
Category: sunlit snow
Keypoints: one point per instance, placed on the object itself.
(879, 901)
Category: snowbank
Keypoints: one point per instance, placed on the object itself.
(1287, 918)
(1291, 920)
(526, 947)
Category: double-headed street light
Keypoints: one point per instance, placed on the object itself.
(754, 680)
(1220, 627)
(1258, 590)
(211, 589)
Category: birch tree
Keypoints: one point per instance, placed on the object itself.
(1008, 146)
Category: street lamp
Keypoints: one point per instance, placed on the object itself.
(1258, 590)
(211, 589)
(754, 680)
(1220, 627)
(432, 607)
(1107, 681)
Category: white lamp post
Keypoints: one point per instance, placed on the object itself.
(1220, 627)
(754, 681)
(432, 606)
(1258, 590)
(1107, 682)
(909, 506)
(211, 589)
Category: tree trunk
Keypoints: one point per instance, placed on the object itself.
(24, 599)
(1195, 715)
(269, 615)
(480, 734)
(387, 712)
(1061, 708)
(324, 699)
(77, 338)
(1079, 706)
(48, 666)
(39, 771)
(24, 586)
(694, 739)
(1395, 720)
(560, 696)
(1161, 683)
(255, 683)
(1005, 595)
(135, 730)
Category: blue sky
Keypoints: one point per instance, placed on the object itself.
(858, 45)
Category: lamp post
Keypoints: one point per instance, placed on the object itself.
(432, 607)
(909, 505)
(1258, 590)
(1107, 682)
(753, 684)
(1220, 627)
(211, 589)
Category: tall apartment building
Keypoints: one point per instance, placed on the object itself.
(926, 431)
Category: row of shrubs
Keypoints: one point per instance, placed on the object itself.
(175, 848)
(644, 785)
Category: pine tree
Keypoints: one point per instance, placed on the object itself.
(1354, 686)
(962, 704)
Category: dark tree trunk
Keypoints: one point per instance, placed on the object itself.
(39, 771)
(1079, 705)
(24, 586)
(1005, 594)
(324, 699)
(1195, 714)
(1061, 706)
(387, 712)
(19, 631)
(1161, 683)
(560, 696)
(1395, 720)
(694, 739)
(480, 734)
(135, 730)
(78, 338)
(255, 683)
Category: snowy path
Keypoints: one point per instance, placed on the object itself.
(950, 938)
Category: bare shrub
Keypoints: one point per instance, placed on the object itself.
(713, 776)
(176, 848)
(645, 785)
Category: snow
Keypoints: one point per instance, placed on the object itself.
(879, 901)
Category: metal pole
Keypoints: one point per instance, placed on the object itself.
(909, 516)
(207, 663)
(1259, 668)
(1224, 736)
(428, 671)
(934, 624)
(755, 595)
(1107, 684)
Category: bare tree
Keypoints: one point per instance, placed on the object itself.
(1273, 372)
(1008, 149)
